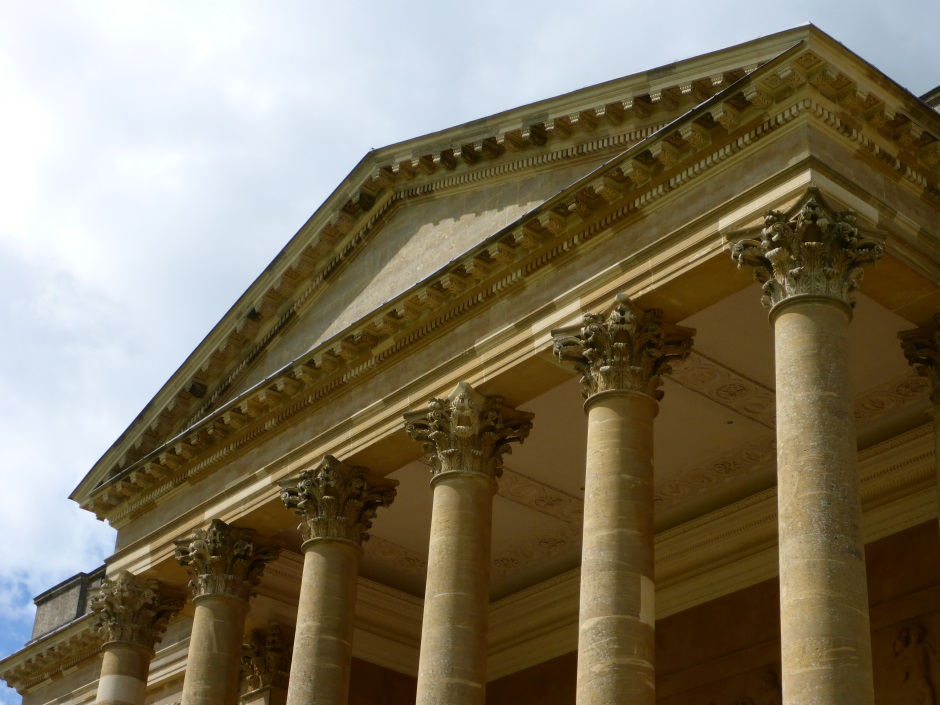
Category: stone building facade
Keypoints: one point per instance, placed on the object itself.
(627, 396)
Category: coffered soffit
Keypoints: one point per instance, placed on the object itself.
(700, 125)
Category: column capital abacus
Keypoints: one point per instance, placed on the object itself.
(133, 611)
(813, 251)
(921, 347)
(223, 561)
(625, 349)
(467, 433)
(337, 501)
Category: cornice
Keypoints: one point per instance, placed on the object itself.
(729, 122)
(52, 655)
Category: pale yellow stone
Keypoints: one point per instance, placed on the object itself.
(215, 651)
(325, 619)
(825, 631)
(452, 661)
(616, 645)
(124, 670)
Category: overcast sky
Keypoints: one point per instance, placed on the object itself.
(154, 157)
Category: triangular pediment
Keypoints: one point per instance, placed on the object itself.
(425, 219)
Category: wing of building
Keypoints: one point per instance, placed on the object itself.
(651, 291)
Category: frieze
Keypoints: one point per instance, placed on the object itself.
(718, 470)
(393, 554)
(891, 396)
(703, 375)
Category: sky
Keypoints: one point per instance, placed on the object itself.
(155, 156)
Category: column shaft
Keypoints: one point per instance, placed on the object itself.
(325, 619)
(452, 666)
(617, 614)
(935, 415)
(825, 632)
(124, 671)
(215, 651)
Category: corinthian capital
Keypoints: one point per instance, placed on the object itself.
(265, 659)
(816, 251)
(223, 561)
(133, 611)
(921, 347)
(466, 432)
(626, 350)
(336, 500)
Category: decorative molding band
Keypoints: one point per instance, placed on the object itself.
(393, 554)
(52, 655)
(722, 385)
(890, 396)
(722, 468)
(539, 497)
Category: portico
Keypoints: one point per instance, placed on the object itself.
(687, 452)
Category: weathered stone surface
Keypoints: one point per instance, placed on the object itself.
(337, 502)
(131, 615)
(621, 357)
(809, 266)
(626, 349)
(815, 252)
(466, 435)
(225, 565)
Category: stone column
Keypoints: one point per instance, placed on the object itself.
(465, 435)
(621, 357)
(337, 503)
(809, 263)
(225, 565)
(131, 615)
(922, 349)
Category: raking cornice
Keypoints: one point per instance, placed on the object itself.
(797, 83)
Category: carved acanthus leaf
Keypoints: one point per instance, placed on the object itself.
(627, 349)
(223, 561)
(922, 349)
(336, 500)
(467, 432)
(265, 660)
(133, 611)
(816, 252)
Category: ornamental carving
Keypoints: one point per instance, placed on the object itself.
(336, 500)
(265, 660)
(922, 349)
(223, 561)
(915, 655)
(627, 349)
(816, 251)
(133, 611)
(466, 432)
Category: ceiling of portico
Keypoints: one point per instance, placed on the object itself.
(714, 444)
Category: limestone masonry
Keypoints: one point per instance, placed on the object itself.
(630, 396)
